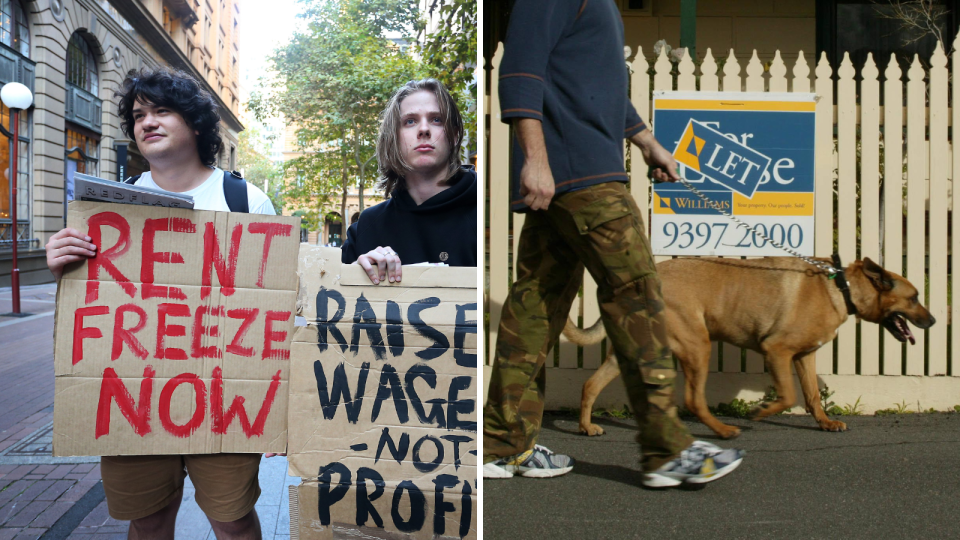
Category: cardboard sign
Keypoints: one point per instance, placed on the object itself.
(175, 338)
(383, 401)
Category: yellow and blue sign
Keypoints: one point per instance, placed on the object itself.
(722, 160)
(753, 155)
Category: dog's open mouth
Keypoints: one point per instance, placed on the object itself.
(897, 325)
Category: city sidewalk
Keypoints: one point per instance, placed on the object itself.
(53, 498)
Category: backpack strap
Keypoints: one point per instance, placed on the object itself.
(235, 191)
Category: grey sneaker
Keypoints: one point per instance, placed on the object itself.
(538, 462)
(699, 463)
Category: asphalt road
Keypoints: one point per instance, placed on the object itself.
(887, 477)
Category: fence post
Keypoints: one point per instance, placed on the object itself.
(847, 200)
(870, 199)
(916, 198)
(892, 196)
(937, 218)
(954, 365)
(823, 206)
(778, 74)
(499, 171)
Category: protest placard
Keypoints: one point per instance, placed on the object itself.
(383, 401)
(175, 338)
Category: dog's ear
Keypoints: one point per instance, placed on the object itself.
(877, 275)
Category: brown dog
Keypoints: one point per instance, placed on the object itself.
(781, 307)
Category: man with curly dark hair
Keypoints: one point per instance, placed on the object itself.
(175, 125)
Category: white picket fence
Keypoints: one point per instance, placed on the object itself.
(876, 371)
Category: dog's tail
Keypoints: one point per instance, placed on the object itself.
(585, 336)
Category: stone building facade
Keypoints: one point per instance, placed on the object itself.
(73, 55)
(334, 229)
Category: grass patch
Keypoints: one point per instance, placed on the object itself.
(904, 408)
(831, 408)
(621, 414)
(739, 408)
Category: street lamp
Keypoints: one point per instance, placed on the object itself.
(16, 97)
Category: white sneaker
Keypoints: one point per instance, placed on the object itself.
(538, 462)
(699, 463)
(496, 469)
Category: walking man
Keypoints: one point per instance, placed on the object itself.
(563, 86)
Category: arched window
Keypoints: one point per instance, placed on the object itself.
(82, 115)
(14, 32)
(82, 150)
(23, 165)
(82, 65)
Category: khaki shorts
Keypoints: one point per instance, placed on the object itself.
(138, 486)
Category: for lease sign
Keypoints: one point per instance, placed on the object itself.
(750, 154)
(175, 338)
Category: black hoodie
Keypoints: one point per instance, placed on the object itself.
(442, 229)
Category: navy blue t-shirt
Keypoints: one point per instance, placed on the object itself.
(563, 65)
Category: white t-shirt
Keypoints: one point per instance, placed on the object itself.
(209, 194)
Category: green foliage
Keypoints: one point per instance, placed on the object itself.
(568, 411)
(739, 408)
(856, 409)
(311, 219)
(257, 167)
(825, 403)
(904, 408)
(451, 54)
(622, 414)
(898, 408)
(332, 81)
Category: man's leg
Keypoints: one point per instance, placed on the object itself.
(245, 528)
(548, 278)
(145, 490)
(227, 490)
(157, 526)
(603, 225)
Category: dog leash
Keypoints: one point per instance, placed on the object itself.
(834, 272)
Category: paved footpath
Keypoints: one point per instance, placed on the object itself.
(54, 498)
(889, 477)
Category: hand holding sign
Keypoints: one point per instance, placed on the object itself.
(381, 263)
(67, 246)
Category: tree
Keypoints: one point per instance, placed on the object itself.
(332, 81)
(258, 169)
(451, 54)
(919, 19)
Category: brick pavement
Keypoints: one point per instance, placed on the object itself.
(36, 490)
(33, 497)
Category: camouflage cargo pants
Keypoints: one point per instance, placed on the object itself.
(599, 228)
